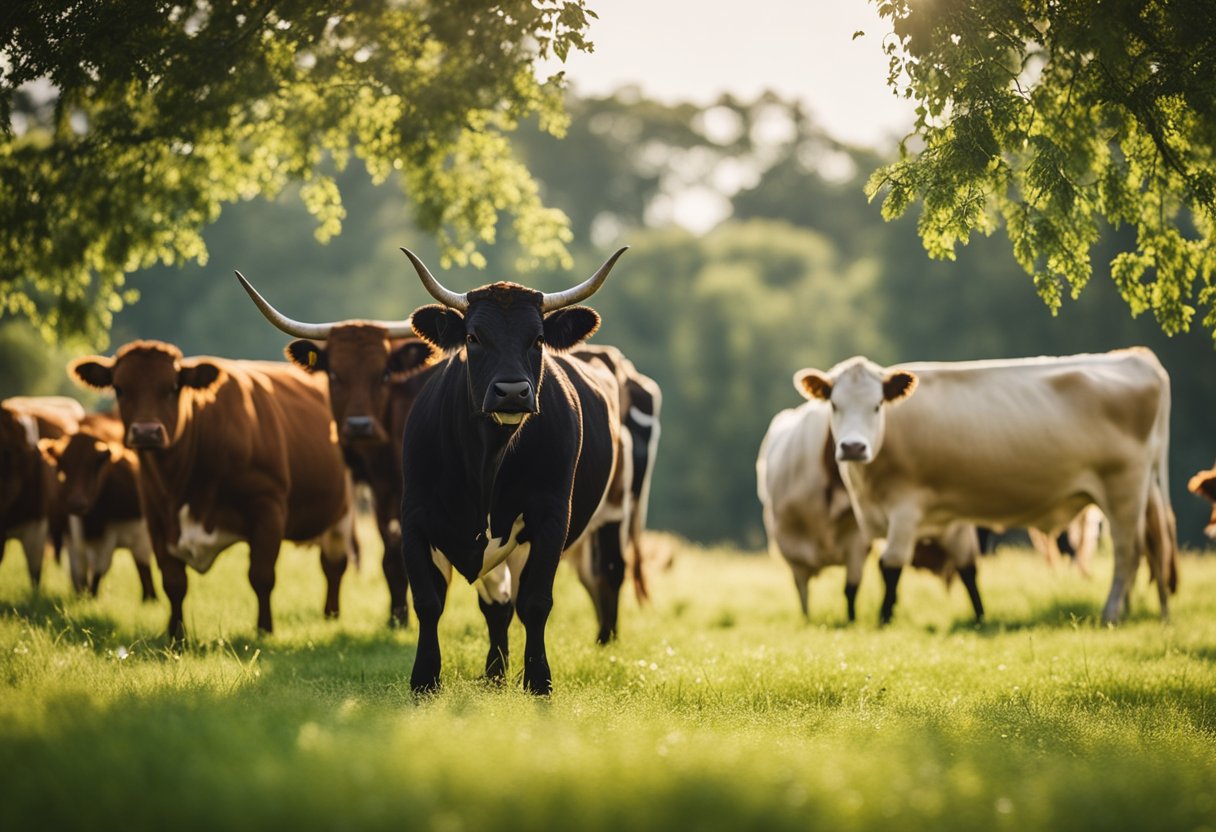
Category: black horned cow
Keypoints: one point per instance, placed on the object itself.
(508, 455)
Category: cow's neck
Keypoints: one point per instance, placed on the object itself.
(171, 471)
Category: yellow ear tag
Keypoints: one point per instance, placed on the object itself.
(312, 358)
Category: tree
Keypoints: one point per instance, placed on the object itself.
(1055, 117)
(126, 126)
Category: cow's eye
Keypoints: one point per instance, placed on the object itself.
(878, 407)
(471, 339)
(539, 342)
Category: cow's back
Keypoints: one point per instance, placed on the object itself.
(1015, 440)
(316, 473)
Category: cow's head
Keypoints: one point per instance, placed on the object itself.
(857, 389)
(501, 332)
(360, 358)
(361, 363)
(83, 461)
(148, 379)
(1204, 484)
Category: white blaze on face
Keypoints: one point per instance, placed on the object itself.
(196, 546)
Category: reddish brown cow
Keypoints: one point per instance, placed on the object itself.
(98, 490)
(375, 371)
(229, 450)
(1204, 484)
(28, 509)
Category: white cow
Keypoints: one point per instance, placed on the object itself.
(1022, 442)
(809, 519)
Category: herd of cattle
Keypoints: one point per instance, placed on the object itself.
(495, 443)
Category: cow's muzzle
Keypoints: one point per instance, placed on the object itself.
(508, 402)
(853, 452)
(356, 428)
(147, 435)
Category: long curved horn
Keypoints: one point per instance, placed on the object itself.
(584, 290)
(396, 329)
(444, 295)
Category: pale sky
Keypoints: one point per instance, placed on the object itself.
(694, 50)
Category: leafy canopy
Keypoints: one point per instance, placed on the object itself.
(126, 126)
(1056, 116)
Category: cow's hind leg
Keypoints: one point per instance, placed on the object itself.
(608, 567)
(802, 579)
(967, 575)
(1126, 538)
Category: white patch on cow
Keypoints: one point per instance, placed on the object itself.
(501, 584)
(496, 550)
(444, 565)
(644, 419)
(196, 546)
(30, 425)
(508, 418)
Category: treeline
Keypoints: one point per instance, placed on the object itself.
(800, 271)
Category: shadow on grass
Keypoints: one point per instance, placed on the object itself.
(1062, 614)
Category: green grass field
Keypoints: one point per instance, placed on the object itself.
(718, 708)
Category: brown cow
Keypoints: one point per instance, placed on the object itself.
(229, 450)
(98, 490)
(28, 510)
(375, 371)
(1204, 484)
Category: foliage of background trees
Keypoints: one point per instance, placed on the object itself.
(804, 273)
(125, 127)
(1057, 119)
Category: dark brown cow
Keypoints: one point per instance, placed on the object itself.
(375, 370)
(229, 450)
(99, 492)
(1204, 484)
(28, 510)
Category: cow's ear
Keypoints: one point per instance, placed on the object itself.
(1204, 484)
(899, 384)
(307, 355)
(410, 356)
(92, 371)
(439, 326)
(813, 384)
(201, 376)
(52, 449)
(570, 327)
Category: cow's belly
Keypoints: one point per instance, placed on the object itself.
(197, 547)
(502, 560)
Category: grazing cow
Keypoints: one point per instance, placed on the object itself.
(99, 492)
(613, 545)
(809, 520)
(509, 453)
(375, 371)
(29, 510)
(229, 450)
(1026, 442)
(1204, 484)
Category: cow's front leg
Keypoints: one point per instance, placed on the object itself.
(535, 601)
(264, 544)
(901, 542)
(173, 582)
(429, 576)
